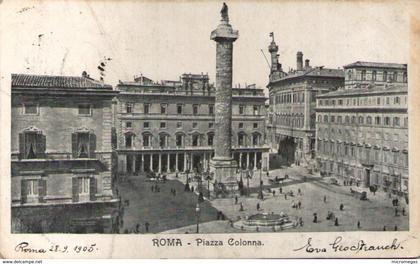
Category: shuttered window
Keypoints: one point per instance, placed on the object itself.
(32, 145)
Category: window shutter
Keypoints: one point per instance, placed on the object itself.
(23, 191)
(74, 145)
(41, 142)
(92, 145)
(93, 188)
(75, 189)
(42, 187)
(21, 145)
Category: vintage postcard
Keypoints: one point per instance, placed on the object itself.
(209, 129)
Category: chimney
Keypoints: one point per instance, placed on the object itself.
(307, 63)
(84, 74)
(299, 61)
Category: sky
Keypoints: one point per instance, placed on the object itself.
(163, 40)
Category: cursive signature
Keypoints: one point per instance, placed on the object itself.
(24, 247)
(338, 246)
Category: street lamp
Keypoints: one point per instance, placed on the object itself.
(208, 178)
(260, 194)
(197, 213)
(249, 173)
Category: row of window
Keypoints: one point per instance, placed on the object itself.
(364, 153)
(129, 107)
(32, 145)
(323, 132)
(377, 100)
(386, 76)
(291, 120)
(34, 190)
(179, 124)
(33, 109)
(196, 139)
(369, 120)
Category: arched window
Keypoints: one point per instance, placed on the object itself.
(241, 139)
(363, 75)
(163, 140)
(179, 138)
(349, 75)
(325, 119)
(360, 119)
(385, 76)
(129, 140)
(196, 139)
(32, 144)
(373, 75)
(83, 143)
(256, 138)
(319, 119)
(395, 77)
(369, 120)
(210, 139)
(353, 119)
(347, 120)
(147, 140)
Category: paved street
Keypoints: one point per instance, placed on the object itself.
(161, 209)
(172, 214)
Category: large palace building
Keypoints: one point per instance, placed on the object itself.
(362, 128)
(169, 126)
(61, 155)
(291, 116)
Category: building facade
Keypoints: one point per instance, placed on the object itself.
(362, 128)
(169, 126)
(291, 116)
(61, 155)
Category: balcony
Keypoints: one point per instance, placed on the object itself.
(59, 161)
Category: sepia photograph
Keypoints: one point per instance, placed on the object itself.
(209, 124)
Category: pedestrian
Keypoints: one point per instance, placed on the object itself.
(281, 190)
(274, 193)
(192, 188)
(258, 206)
(236, 199)
(315, 218)
(403, 211)
(396, 211)
(325, 198)
(241, 208)
(384, 229)
(147, 227)
(336, 221)
(137, 228)
(341, 207)
(299, 204)
(285, 196)
(176, 175)
(299, 192)
(395, 228)
(300, 221)
(358, 224)
(268, 174)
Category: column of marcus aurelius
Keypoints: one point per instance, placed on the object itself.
(223, 165)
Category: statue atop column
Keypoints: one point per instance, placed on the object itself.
(224, 13)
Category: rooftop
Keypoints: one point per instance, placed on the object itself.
(376, 65)
(51, 81)
(314, 72)
(371, 90)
